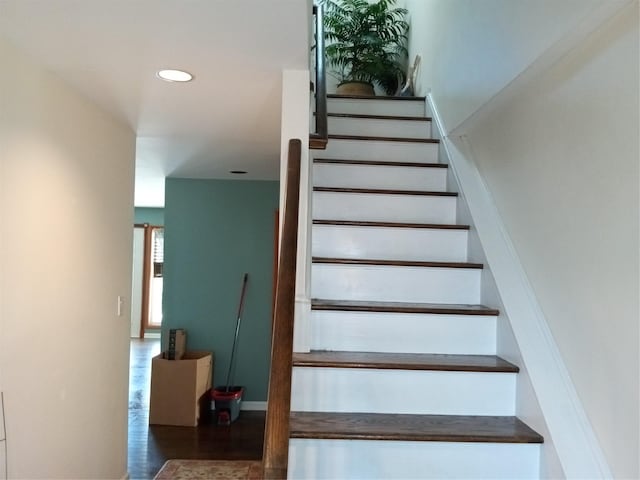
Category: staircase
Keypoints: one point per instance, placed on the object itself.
(402, 380)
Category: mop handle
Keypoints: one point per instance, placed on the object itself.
(235, 338)
(244, 289)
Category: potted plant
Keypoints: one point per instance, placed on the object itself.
(366, 44)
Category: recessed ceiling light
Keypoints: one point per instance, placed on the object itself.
(238, 172)
(174, 75)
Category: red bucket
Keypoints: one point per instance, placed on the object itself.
(226, 403)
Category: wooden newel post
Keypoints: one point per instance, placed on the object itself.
(276, 438)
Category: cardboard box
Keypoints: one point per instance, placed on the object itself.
(179, 388)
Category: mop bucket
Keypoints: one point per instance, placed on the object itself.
(226, 403)
(226, 400)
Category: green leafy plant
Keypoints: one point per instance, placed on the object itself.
(366, 42)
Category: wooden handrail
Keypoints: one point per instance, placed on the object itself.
(318, 139)
(276, 436)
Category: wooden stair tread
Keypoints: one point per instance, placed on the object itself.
(401, 307)
(317, 143)
(380, 191)
(334, 136)
(379, 117)
(405, 361)
(376, 97)
(406, 427)
(359, 223)
(394, 263)
(379, 163)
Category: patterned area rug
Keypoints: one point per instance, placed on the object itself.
(210, 470)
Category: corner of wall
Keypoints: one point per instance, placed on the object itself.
(295, 124)
(58, 177)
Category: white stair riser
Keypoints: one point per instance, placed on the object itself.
(408, 108)
(379, 127)
(378, 176)
(395, 284)
(384, 208)
(381, 150)
(387, 460)
(389, 243)
(426, 392)
(403, 332)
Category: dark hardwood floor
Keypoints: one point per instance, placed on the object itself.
(152, 445)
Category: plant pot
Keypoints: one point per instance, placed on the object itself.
(355, 88)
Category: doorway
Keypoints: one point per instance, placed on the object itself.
(147, 280)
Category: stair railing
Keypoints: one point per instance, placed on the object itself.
(318, 139)
(276, 437)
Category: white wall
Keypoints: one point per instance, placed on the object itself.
(295, 125)
(471, 49)
(560, 159)
(562, 164)
(66, 213)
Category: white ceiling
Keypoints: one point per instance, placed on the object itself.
(228, 118)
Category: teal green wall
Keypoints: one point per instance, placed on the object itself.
(215, 231)
(152, 216)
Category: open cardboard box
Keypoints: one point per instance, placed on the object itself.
(179, 388)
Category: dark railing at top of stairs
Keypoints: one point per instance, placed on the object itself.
(318, 139)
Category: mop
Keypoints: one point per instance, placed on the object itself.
(227, 400)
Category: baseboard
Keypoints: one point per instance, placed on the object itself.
(576, 444)
(255, 406)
